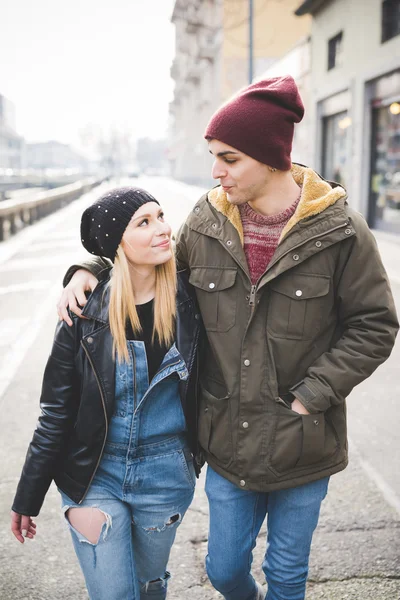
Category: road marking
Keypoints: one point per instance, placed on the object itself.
(26, 286)
(26, 264)
(61, 235)
(10, 328)
(73, 242)
(18, 350)
(386, 490)
(393, 278)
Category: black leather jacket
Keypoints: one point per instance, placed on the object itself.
(78, 396)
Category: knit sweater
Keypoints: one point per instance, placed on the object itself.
(261, 236)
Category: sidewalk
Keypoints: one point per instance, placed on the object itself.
(355, 553)
(389, 247)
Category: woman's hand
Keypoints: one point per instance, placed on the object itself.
(22, 527)
(74, 294)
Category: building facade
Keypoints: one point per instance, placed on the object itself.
(355, 102)
(212, 63)
(196, 71)
(276, 30)
(297, 63)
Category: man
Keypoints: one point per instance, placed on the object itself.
(298, 310)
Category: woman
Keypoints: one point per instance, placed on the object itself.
(118, 425)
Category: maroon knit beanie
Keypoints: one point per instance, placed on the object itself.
(259, 121)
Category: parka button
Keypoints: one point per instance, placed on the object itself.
(318, 244)
(90, 340)
(197, 316)
(206, 409)
(229, 243)
(211, 286)
(299, 293)
(245, 425)
(246, 362)
(214, 226)
(196, 210)
(316, 422)
(347, 231)
(296, 257)
(242, 482)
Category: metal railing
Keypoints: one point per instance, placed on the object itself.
(18, 213)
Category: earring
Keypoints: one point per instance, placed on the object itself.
(272, 169)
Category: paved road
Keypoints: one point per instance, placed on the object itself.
(356, 550)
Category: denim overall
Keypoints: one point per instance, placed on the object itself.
(143, 485)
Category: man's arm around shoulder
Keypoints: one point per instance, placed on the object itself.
(78, 280)
(96, 266)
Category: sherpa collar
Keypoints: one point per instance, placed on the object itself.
(316, 195)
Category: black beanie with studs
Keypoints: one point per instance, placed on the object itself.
(104, 222)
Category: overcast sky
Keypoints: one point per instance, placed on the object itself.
(66, 64)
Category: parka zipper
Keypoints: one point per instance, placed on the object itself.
(105, 418)
(252, 298)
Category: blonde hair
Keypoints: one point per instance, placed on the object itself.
(122, 304)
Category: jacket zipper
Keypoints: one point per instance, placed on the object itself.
(252, 299)
(194, 354)
(190, 367)
(105, 417)
(252, 296)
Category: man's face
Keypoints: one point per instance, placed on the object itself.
(242, 178)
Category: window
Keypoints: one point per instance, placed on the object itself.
(335, 147)
(335, 47)
(385, 172)
(390, 19)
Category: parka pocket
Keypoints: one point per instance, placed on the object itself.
(297, 305)
(215, 427)
(301, 440)
(217, 296)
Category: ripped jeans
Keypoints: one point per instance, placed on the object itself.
(143, 498)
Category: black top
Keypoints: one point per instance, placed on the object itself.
(155, 352)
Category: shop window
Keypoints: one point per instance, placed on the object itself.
(335, 51)
(336, 147)
(385, 168)
(390, 19)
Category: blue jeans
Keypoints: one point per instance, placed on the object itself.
(236, 517)
(142, 517)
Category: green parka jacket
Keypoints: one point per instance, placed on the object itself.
(319, 321)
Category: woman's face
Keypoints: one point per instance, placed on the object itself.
(147, 239)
